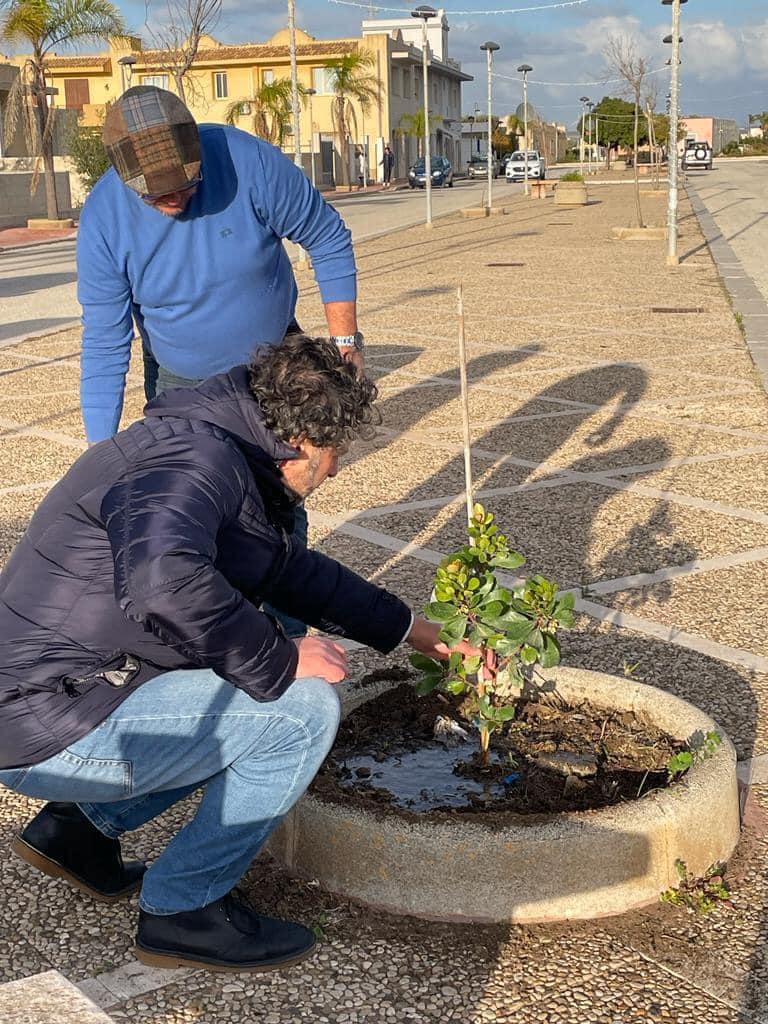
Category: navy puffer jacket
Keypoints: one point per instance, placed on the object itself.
(153, 553)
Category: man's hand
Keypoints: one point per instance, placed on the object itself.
(354, 356)
(321, 658)
(425, 638)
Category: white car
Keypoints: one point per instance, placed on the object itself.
(537, 167)
(697, 155)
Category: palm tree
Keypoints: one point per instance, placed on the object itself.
(271, 110)
(413, 124)
(42, 25)
(350, 79)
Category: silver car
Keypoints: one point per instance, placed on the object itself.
(537, 167)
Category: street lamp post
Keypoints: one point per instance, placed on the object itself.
(590, 107)
(425, 13)
(126, 62)
(524, 69)
(672, 257)
(310, 94)
(294, 83)
(583, 100)
(490, 48)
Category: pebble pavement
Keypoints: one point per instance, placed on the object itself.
(624, 451)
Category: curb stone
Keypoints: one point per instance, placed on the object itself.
(748, 301)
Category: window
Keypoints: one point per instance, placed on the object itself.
(159, 81)
(396, 79)
(76, 93)
(220, 90)
(322, 81)
(268, 76)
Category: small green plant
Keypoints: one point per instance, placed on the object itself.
(88, 154)
(700, 751)
(699, 894)
(629, 669)
(739, 322)
(571, 176)
(514, 629)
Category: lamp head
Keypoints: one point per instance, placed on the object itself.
(525, 68)
(424, 11)
(668, 39)
(490, 47)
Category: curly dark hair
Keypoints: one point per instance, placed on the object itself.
(307, 390)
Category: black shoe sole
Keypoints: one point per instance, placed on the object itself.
(50, 867)
(169, 960)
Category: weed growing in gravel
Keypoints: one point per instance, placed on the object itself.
(699, 894)
(514, 628)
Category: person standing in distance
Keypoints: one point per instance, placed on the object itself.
(184, 236)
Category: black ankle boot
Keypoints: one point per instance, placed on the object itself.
(227, 935)
(62, 842)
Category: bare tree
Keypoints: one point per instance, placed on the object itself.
(627, 64)
(176, 42)
(649, 100)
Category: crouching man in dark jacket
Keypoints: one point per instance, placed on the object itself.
(136, 666)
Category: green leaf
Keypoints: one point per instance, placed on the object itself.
(424, 664)
(529, 655)
(506, 713)
(551, 654)
(453, 631)
(536, 639)
(473, 663)
(510, 561)
(427, 685)
(567, 601)
(440, 611)
(491, 609)
(680, 762)
(516, 632)
(565, 618)
(456, 686)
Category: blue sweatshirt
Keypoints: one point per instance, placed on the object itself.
(206, 287)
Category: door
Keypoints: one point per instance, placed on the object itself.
(326, 161)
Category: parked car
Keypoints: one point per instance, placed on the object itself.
(442, 173)
(537, 167)
(697, 156)
(478, 167)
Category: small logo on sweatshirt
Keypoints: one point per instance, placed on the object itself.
(226, 232)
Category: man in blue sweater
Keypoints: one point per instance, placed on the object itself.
(185, 235)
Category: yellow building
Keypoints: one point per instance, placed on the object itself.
(223, 74)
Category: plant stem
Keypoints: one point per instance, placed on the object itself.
(485, 742)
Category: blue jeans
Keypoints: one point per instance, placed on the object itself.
(157, 379)
(180, 731)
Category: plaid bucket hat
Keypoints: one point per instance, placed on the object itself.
(152, 141)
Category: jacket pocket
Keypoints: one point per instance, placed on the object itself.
(119, 670)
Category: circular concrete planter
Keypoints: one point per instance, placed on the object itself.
(580, 865)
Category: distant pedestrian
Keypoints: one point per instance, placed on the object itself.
(388, 163)
(362, 167)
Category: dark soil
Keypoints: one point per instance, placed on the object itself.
(550, 759)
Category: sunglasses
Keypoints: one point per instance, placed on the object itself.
(177, 191)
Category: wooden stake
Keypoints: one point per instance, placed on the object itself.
(465, 406)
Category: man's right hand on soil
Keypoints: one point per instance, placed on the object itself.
(320, 658)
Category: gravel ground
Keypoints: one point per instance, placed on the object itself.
(538, 338)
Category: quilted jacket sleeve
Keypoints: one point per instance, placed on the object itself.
(162, 520)
(337, 600)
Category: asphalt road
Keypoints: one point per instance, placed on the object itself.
(735, 192)
(38, 282)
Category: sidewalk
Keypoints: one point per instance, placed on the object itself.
(11, 238)
(619, 422)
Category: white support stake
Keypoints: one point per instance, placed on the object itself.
(465, 406)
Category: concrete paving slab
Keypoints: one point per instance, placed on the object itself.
(47, 998)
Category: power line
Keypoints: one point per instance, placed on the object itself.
(604, 81)
(507, 10)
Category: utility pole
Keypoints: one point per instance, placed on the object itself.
(584, 100)
(674, 112)
(524, 69)
(425, 13)
(490, 49)
(294, 84)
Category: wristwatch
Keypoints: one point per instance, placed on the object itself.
(356, 340)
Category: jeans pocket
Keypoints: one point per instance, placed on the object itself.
(69, 777)
(13, 777)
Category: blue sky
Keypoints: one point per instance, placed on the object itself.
(725, 52)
